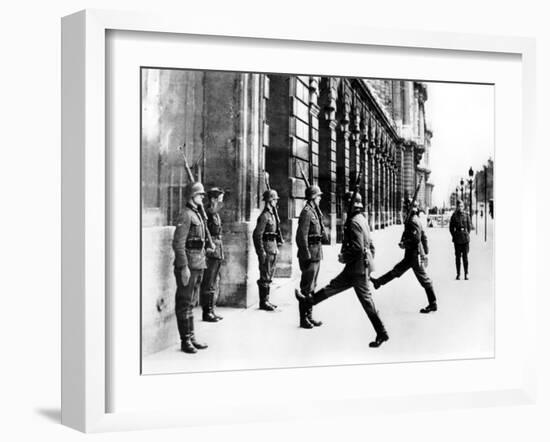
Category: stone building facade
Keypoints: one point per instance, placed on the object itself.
(233, 127)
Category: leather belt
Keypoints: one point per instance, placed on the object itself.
(269, 236)
(194, 244)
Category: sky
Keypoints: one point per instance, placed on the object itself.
(462, 120)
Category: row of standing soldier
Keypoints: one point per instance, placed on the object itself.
(198, 252)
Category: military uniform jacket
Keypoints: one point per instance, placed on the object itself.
(308, 235)
(414, 237)
(214, 224)
(265, 233)
(189, 240)
(357, 248)
(460, 227)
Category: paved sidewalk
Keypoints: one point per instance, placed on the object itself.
(462, 328)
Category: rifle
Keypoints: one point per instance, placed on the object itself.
(409, 213)
(280, 239)
(317, 209)
(354, 194)
(202, 212)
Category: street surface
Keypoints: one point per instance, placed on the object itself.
(463, 327)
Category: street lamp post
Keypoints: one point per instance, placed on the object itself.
(462, 189)
(470, 182)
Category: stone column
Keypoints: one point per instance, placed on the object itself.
(327, 153)
(399, 181)
(397, 103)
(314, 127)
(388, 190)
(363, 161)
(371, 186)
(394, 194)
(378, 193)
(342, 157)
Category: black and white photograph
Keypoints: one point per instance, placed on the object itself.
(304, 220)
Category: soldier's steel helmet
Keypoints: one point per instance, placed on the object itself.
(312, 192)
(215, 192)
(357, 202)
(194, 189)
(270, 195)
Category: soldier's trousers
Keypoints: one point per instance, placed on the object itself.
(186, 298)
(411, 261)
(346, 280)
(310, 271)
(267, 269)
(461, 251)
(209, 285)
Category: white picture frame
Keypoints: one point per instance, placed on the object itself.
(85, 312)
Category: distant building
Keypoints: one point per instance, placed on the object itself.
(235, 126)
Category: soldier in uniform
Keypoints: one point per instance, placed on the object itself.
(415, 243)
(357, 254)
(189, 265)
(309, 237)
(460, 227)
(214, 258)
(266, 242)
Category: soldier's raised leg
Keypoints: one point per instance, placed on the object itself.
(397, 271)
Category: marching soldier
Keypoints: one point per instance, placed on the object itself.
(266, 238)
(214, 258)
(357, 254)
(415, 243)
(189, 265)
(309, 237)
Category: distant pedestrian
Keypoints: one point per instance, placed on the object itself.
(267, 240)
(460, 228)
(357, 254)
(415, 243)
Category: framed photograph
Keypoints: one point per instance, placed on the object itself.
(305, 223)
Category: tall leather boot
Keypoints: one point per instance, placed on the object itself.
(207, 313)
(432, 302)
(465, 267)
(457, 263)
(264, 299)
(212, 304)
(185, 336)
(309, 315)
(304, 304)
(194, 342)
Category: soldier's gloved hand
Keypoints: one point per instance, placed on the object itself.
(185, 275)
(341, 258)
(210, 251)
